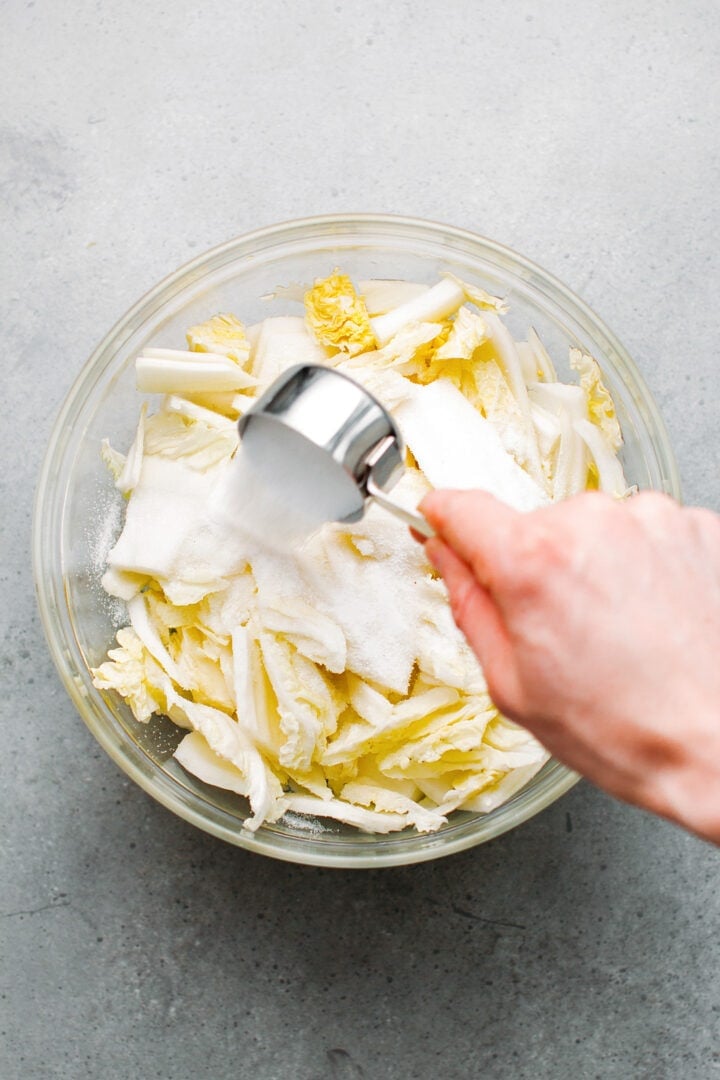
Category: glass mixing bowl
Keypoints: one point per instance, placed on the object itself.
(78, 511)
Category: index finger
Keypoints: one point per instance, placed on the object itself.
(478, 527)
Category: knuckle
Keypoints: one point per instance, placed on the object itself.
(703, 519)
(460, 603)
(652, 505)
(540, 551)
(704, 527)
(504, 695)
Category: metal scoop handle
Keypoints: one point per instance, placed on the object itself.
(416, 521)
(334, 413)
(372, 488)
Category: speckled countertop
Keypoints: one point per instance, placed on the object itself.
(134, 135)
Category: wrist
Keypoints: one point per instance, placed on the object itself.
(689, 794)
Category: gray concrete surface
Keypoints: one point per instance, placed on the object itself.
(134, 135)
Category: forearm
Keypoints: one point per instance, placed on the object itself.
(667, 770)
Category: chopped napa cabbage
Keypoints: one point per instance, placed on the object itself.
(173, 371)
(435, 305)
(313, 780)
(282, 342)
(330, 681)
(544, 365)
(467, 333)
(388, 386)
(314, 635)
(195, 755)
(374, 707)
(169, 617)
(197, 444)
(456, 447)
(477, 296)
(528, 364)
(233, 606)
(507, 356)
(226, 738)
(205, 667)
(355, 738)
(600, 405)
(384, 799)
(147, 631)
(489, 390)
(559, 399)
(337, 316)
(374, 600)
(608, 470)
(129, 475)
(547, 432)
(570, 465)
(112, 458)
(252, 333)
(460, 728)
(135, 674)
(307, 707)
(255, 702)
(382, 295)
(123, 584)
(168, 536)
(465, 788)
(192, 410)
(227, 403)
(554, 408)
(371, 821)
(405, 353)
(508, 785)
(223, 335)
(444, 656)
(547, 429)
(366, 771)
(504, 734)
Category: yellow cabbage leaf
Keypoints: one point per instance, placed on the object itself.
(407, 352)
(223, 335)
(337, 316)
(600, 405)
(468, 331)
(134, 674)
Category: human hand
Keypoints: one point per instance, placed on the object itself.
(597, 624)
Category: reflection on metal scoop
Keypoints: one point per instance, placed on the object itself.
(322, 409)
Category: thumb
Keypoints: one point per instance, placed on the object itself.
(479, 529)
(477, 615)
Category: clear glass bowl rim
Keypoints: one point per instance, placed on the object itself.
(47, 569)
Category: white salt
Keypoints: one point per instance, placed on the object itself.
(280, 488)
(378, 602)
(104, 529)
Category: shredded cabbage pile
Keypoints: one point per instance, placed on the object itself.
(331, 681)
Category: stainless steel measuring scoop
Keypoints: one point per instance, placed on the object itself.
(334, 413)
